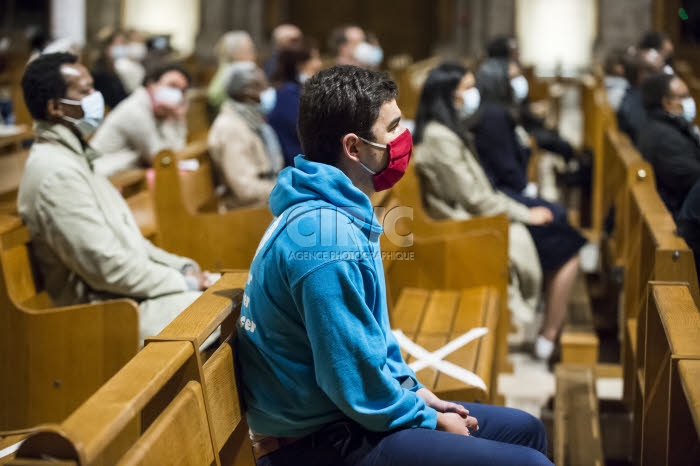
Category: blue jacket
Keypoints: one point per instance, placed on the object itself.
(283, 119)
(314, 340)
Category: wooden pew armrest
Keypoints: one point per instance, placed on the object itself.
(129, 181)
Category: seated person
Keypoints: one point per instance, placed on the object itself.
(244, 148)
(688, 223)
(322, 373)
(669, 140)
(343, 41)
(295, 65)
(107, 80)
(615, 79)
(284, 36)
(129, 64)
(631, 115)
(507, 48)
(151, 119)
(503, 151)
(454, 186)
(232, 47)
(84, 236)
(661, 42)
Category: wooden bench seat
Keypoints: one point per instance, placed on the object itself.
(11, 168)
(672, 330)
(52, 358)
(577, 439)
(434, 318)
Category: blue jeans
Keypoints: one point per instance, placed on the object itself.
(506, 436)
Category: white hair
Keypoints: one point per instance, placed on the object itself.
(239, 75)
(231, 44)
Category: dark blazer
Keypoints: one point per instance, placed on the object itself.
(631, 115)
(688, 223)
(503, 157)
(672, 146)
(283, 119)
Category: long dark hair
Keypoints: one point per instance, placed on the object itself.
(493, 82)
(289, 59)
(437, 100)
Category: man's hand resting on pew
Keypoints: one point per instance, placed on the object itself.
(540, 216)
(452, 417)
(196, 277)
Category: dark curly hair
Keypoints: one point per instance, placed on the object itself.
(337, 101)
(43, 81)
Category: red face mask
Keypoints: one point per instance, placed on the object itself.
(400, 150)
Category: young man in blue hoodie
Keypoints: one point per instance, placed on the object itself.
(323, 377)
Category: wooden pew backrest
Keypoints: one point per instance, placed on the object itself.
(52, 358)
(188, 222)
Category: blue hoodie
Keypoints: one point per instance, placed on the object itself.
(314, 340)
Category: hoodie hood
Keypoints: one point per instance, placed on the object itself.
(320, 185)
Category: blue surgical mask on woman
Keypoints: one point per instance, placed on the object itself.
(520, 88)
(471, 99)
(268, 100)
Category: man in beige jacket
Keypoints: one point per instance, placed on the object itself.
(84, 236)
(151, 119)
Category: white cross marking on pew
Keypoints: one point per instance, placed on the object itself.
(435, 359)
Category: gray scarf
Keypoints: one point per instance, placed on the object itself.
(254, 118)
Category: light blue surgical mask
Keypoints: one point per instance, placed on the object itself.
(268, 100)
(688, 109)
(471, 99)
(520, 88)
(93, 106)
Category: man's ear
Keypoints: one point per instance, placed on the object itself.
(350, 146)
(53, 109)
(665, 103)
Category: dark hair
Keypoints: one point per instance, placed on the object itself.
(436, 101)
(652, 40)
(43, 81)
(289, 59)
(616, 56)
(104, 62)
(654, 89)
(493, 81)
(157, 72)
(337, 101)
(338, 37)
(500, 47)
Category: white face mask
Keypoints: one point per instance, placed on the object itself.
(688, 109)
(136, 51)
(368, 54)
(168, 95)
(471, 99)
(520, 88)
(302, 78)
(268, 100)
(119, 51)
(93, 107)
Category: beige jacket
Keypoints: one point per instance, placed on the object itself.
(241, 163)
(84, 236)
(131, 135)
(455, 186)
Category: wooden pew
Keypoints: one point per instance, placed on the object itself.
(197, 114)
(11, 168)
(187, 217)
(10, 143)
(52, 358)
(577, 438)
(164, 396)
(672, 332)
(447, 269)
(654, 253)
(684, 413)
(624, 168)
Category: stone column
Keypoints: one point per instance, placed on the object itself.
(101, 13)
(68, 20)
(219, 16)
